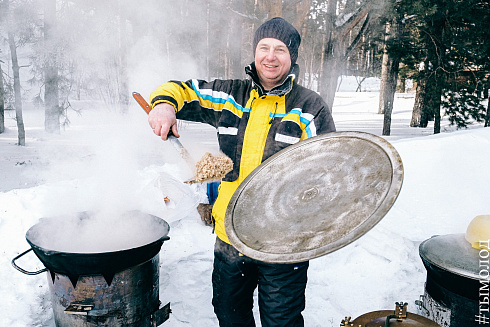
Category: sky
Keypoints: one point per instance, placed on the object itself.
(112, 163)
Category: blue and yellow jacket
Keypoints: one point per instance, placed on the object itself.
(252, 123)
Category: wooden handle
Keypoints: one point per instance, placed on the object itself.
(142, 102)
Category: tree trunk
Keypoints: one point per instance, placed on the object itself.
(51, 96)
(389, 95)
(384, 70)
(432, 77)
(435, 101)
(302, 9)
(431, 101)
(418, 104)
(2, 101)
(235, 42)
(330, 70)
(17, 93)
(236, 68)
(272, 8)
(208, 48)
(431, 109)
(487, 117)
(322, 62)
(392, 69)
(123, 88)
(401, 84)
(336, 49)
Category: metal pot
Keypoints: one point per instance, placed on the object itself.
(390, 318)
(117, 288)
(452, 286)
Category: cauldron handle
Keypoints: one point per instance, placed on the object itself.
(25, 271)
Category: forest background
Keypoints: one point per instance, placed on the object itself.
(60, 54)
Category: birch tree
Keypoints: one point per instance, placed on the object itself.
(17, 93)
(19, 30)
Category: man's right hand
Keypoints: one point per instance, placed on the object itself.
(162, 120)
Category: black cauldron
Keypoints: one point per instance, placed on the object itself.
(116, 288)
(453, 282)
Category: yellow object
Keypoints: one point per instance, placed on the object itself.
(478, 232)
(252, 150)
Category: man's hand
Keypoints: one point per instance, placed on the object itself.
(162, 120)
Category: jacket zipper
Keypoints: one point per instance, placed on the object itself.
(273, 114)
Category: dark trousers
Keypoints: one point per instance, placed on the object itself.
(281, 290)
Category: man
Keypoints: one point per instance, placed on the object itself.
(255, 118)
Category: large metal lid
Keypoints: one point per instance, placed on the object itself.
(452, 253)
(314, 197)
(393, 318)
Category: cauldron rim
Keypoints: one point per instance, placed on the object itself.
(108, 263)
(459, 248)
(445, 273)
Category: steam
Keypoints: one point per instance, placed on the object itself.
(97, 232)
(116, 169)
(107, 172)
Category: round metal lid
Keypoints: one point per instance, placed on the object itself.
(314, 197)
(378, 318)
(452, 253)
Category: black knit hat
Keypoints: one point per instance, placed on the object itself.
(280, 29)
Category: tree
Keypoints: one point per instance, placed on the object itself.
(52, 111)
(2, 101)
(234, 40)
(434, 66)
(122, 63)
(16, 73)
(90, 60)
(235, 29)
(487, 116)
(423, 27)
(391, 62)
(469, 69)
(338, 46)
(270, 8)
(232, 51)
(392, 53)
(385, 74)
(19, 30)
(449, 36)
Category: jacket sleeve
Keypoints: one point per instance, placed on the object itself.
(196, 100)
(316, 117)
(324, 121)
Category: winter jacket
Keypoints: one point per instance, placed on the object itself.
(252, 123)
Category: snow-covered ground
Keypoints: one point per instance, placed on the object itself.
(104, 160)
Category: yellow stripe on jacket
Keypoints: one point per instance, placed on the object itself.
(254, 141)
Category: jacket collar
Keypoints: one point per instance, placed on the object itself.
(279, 90)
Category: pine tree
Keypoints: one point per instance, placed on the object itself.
(467, 62)
(447, 51)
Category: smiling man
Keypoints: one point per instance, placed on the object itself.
(254, 119)
(272, 61)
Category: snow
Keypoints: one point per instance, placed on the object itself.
(106, 160)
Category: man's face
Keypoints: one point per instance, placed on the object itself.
(272, 61)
